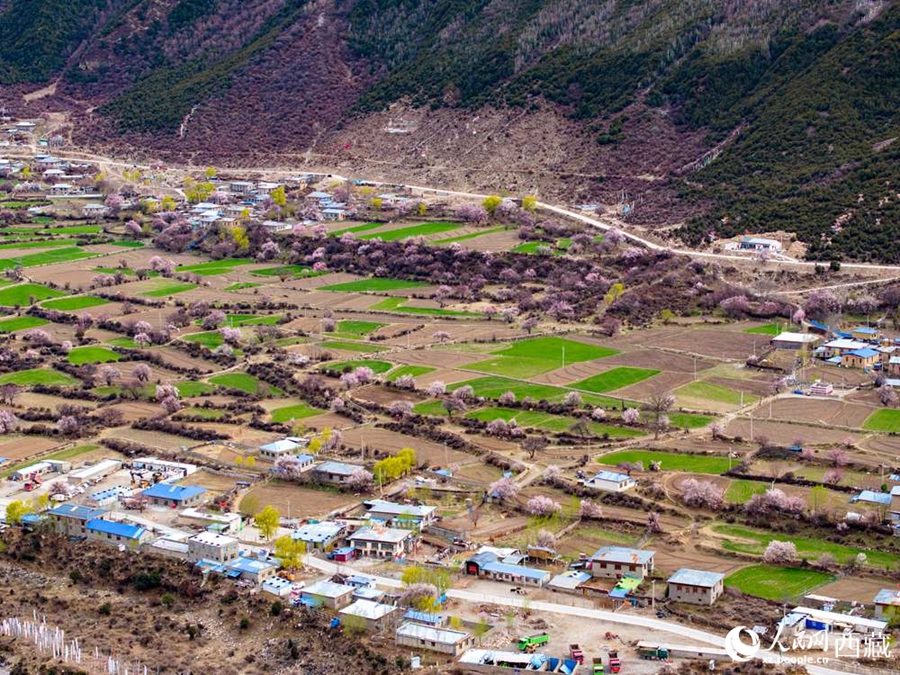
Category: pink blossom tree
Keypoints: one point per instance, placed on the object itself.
(702, 494)
(631, 416)
(360, 480)
(503, 489)
(8, 422)
(780, 553)
(436, 389)
(590, 509)
(541, 505)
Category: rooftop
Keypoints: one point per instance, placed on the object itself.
(328, 589)
(213, 539)
(249, 565)
(337, 468)
(612, 476)
(515, 570)
(176, 493)
(382, 506)
(77, 512)
(390, 535)
(318, 533)
(790, 336)
(888, 596)
(620, 554)
(283, 445)
(367, 609)
(115, 529)
(419, 632)
(695, 578)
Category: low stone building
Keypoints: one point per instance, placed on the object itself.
(695, 586)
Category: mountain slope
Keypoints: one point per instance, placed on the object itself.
(581, 99)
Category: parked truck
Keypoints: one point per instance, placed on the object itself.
(576, 654)
(653, 653)
(598, 666)
(615, 665)
(529, 643)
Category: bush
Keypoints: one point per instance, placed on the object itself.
(275, 609)
(105, 609)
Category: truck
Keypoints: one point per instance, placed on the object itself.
(576, 654)
(615, 665)
(653, 653)
(597, 666)
(528, 643)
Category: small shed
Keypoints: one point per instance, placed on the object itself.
(443, 640)
(375, 615)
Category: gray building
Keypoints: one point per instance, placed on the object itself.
(695, 586)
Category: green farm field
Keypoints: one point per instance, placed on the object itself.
(670, 461)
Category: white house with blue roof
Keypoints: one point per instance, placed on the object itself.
(695, 586)
(111, 532)
(322, 536)
(614, 562)
(174, 496)
(407, 516)
(281, 448)
(610, 481)
(70, 520)
(242, 567)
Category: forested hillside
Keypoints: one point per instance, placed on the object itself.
(802, 94)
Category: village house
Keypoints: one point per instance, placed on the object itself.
(864, 333)
(863, 359)
(893, 366)
(94, 210)
(841, 346)
(335, 472)
(250, 569)
(70, 520)
(760, 244)
(488, 564)
(895, 504)
(695, 586)
(174, 496)
(240, 187)
(319, 536)
(223, 523)
(40, 469)
(265, 188)
(406, 516)
(94, 472)
(212, 546)
(610, 481)
(277, 587)
(113, 533)
(277, 449)
(613, 562)
(328, 594)
(164, 466)
(382, 542)
(794, 341)
(375, 616)
(887, 604)
(333, 213)
(442, 640)
(277, 225)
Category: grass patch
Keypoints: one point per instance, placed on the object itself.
(617, 378)
(294, 412)
(214, 267)
(742, 491)
(72, 229)
(365, 227)
(124, 342)
(238, 320)
(168, 288)
(189, 388)
(423, 230)
(21, 323)
(527, 358)
(91, 354)
(754, 542)
(27, 294)
(689, 421)
(26, 378)
(353, 347)
(708, 391)
(58, 255)
(356, 330)
(73, 303)
(372, 284)
(241, 285)
(205, 413)
(412, 371)
(127, 271)
(553, 423)
(60, 456)
(209, 339)
(246, 383)
(771, 329)
(127, 243)
(531, 247)
(671, 461)
(776, 583)
(493, 387)
(467, 237)
(378, 367)
(296, 271)
(43, 243)
(883, 420)
(397, 305)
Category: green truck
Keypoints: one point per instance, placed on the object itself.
(529, 643)
(598, 666)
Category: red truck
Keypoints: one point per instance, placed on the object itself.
(615, 665)
(576, 654)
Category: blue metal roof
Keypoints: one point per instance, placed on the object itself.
(115, 529)
(612, 476)
(871, 497)
(176, 493)
(819, 325)
(76, 511)
(864, 329)
(865, 353)
(337, 468)
(515, 570)
(695, 578)
(888, 596)
(249, 565)
(283, 445)
(622, 554)
(424, 617)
